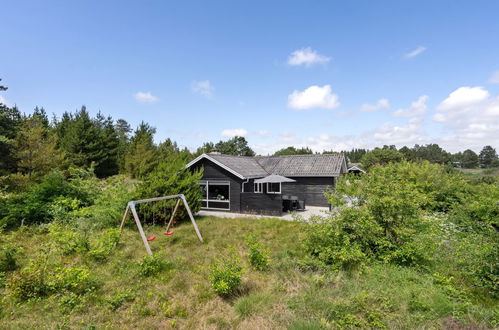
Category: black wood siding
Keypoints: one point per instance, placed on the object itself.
(310, 189)
(267, 204)
(215, 172)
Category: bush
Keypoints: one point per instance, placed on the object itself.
(386, 219)
(171, 177)
(28, 283)
(152, 265)
(225, 274)
(71, 279)
(8, 255)
(35, 205)
(35, 281)
(104, 244)
(258, 256)
(108, 207)
(67, 240)
(120, 298)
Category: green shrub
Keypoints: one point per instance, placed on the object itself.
(120, 298)
(108, 206)
(36, 281)
(104, 244)
(386, 219)
(72, 279)
(152, 265)
(225, 274)
(28, 283)
(258, 256)
(35, 205)
(64, 238)
(171, 177)
(8, 260)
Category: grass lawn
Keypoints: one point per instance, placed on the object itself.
(293, 294)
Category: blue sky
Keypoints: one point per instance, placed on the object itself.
(323, 74)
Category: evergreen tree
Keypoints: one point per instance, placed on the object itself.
(107, 163)
(79, 138)
(142, 154)
(35, 147)
(10, 119)
(123, 131)
(89, 142)
(469, 159)
(488, 157)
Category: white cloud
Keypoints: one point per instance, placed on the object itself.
(417, 51)
(145, 97)
(417, 108)
(307, 57)
(313, 97)
(471, 116)
(463, 97)
(494, 79)
(203, 87)
(381, 104)
(229, 133)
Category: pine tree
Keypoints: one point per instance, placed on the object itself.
(10, 119)
(123, 131)
(35, 148)
(142, 154)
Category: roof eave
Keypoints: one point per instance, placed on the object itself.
(205, 156)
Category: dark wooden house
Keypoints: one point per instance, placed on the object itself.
(267, 185)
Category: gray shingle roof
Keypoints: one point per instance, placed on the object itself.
(292, 165)
(303, 165)
(246, 166)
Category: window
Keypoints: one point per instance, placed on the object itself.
(258, 188)
(273, 188)
(215, 194)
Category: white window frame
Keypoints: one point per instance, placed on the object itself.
(207, 200)
(274, 192)
(258, 188)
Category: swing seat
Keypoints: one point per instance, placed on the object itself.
(169, 233)
(152, 238)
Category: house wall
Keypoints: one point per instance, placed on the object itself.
(215, 172)
(310, 189)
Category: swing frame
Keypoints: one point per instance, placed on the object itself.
(131, 207)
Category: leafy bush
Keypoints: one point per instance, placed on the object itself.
(8, 255)
(152, 265)
(386, 220)
(104, 244)
(480, 209)
(35, 205)
(381, 156)
(67, 240)
(225, 274)
(109, 204)
(28, 283)
(258, 256)
(171, 177)
(120, 298)
(72, 279)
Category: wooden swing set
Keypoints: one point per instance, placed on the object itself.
(131, 207)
